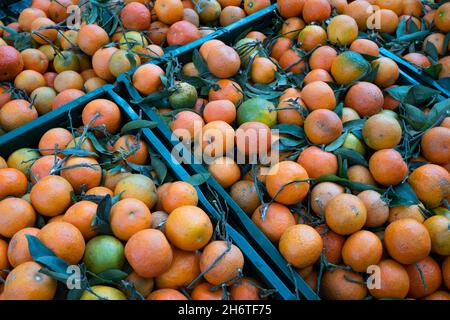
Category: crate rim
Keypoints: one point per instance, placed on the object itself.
(412, 71)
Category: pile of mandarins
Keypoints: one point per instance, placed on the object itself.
(352, 142)
(47, 61)
(427, 21)
(156, 237)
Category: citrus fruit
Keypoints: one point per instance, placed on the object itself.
(342, 30)
(437, 227)
(317, 162)
(407, 241)
(226, 268)
(244, 194)
(277, 219)
(361, 250)
(431, 183)
(287, 183)
(18, 251)
(149, 253)
(184, 96)
(103, 293)
(424, 277)
(25, 282)
(128, 216)
(188, 228)
(15, 214)
(183, 270)
(81, 215)
(377, 208)
(139, 187)
(338, 284)
(394, 281)
(301, 245)
(64, 239)
(102, 253)
(345, 214)
(381, 131)
(322, 126)
(349, 66)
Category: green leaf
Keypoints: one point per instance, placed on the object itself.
(43, 255)
(400, 28)
(431, 51)
(97, 145)
(11, 31)
(402, 195)
(40, 222)
(113, 275)
(351, 155)
(337, 143)
(291, 142)
(142, 169)
(77, 152)
(433, 70)
(369, 57)
(354, 125)
(199, 63)
(75, 294)
(61, 277)
(414, 116)
(398, 92)
(130, 290)
(23, 41)
(371, 75)
(108, 276)
(339, 108)
(418, 95)
(101, 219)
(439, 110)
(197, 82)
(290, 129)
(343, 167)
(73, 197)
(137, 124)
(357, 186)
(198, 179)
(267, 93)
(159, 166)
(131, 58)
(156, 98)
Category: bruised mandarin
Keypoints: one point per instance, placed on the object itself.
(407, 241)
(345, 214)
(322, 126)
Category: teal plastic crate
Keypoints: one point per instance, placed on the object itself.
(265, 247)
(243, 222)
(30, 134)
